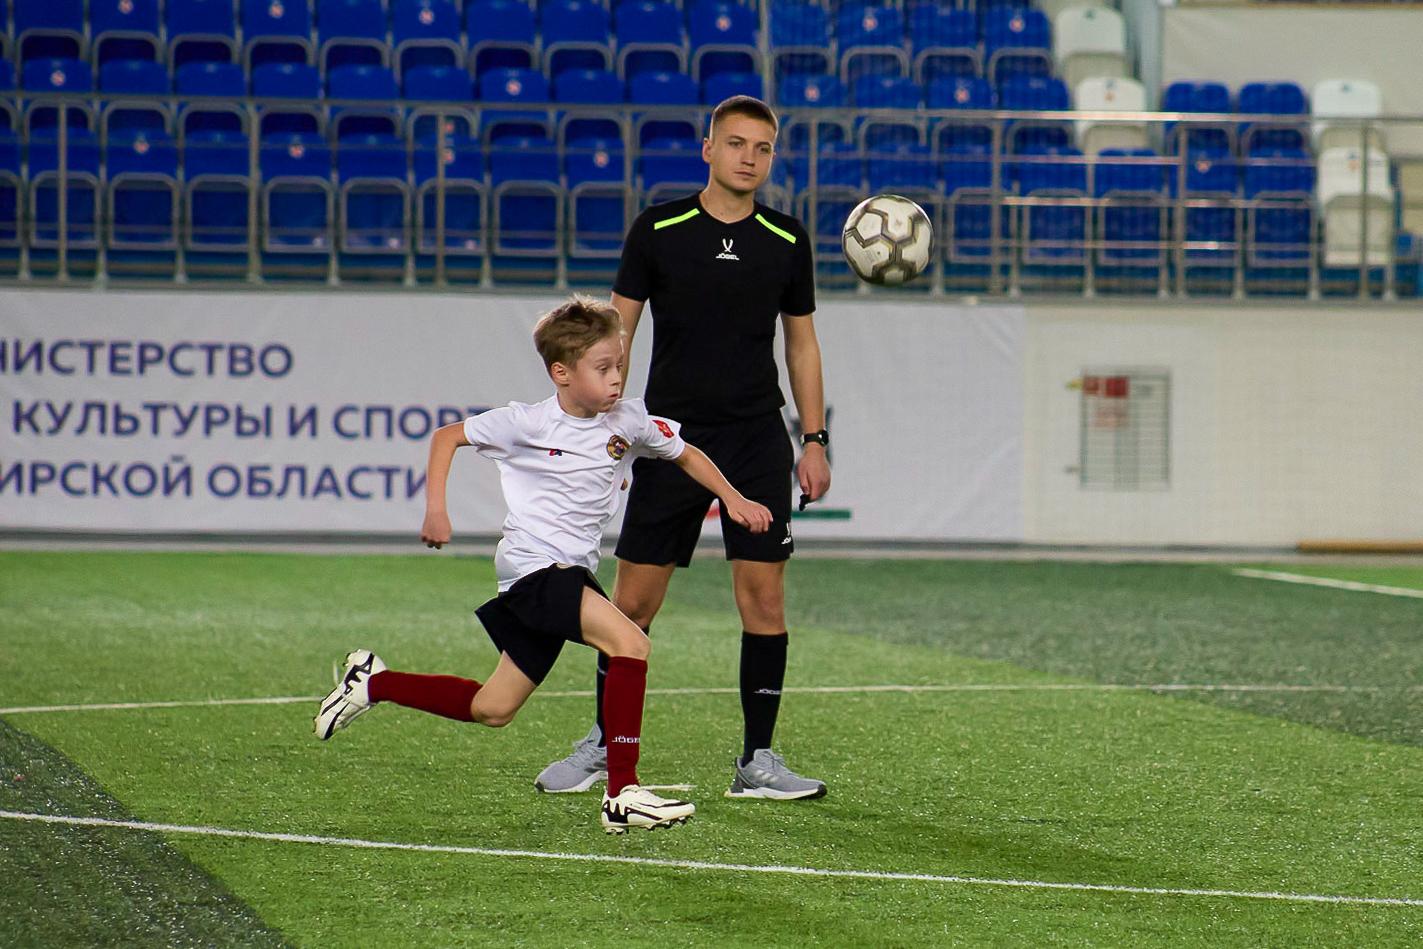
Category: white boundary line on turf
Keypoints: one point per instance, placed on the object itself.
(1161, 687)
(711, 867)
(1330, 582)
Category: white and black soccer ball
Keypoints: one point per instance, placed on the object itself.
(887, 240)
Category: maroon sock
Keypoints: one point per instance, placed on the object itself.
(439, 695)
(623, 693)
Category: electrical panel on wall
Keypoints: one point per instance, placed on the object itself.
(1125, 429)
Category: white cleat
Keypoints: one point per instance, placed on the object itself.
(351, 696)
(639, 807)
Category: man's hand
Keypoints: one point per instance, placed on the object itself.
(813, 472)
(754, 517)
(436, 530)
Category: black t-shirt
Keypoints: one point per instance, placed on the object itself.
(715, 291)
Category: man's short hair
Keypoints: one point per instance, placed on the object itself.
(573, 327)
(743, 105)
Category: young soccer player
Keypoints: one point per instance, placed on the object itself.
(562, 463)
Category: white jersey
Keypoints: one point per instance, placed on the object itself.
(561, 476)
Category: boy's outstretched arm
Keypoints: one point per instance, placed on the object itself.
(754, 517)
(436, 530)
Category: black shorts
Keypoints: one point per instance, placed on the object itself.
(666, 508)
(534, 618)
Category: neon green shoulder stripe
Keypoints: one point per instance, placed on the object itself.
(776, 230)
(676, 220)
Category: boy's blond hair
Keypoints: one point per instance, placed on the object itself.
(569, 330)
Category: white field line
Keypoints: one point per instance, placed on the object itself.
(1160, 687)
(712, 867)
(1329, 582)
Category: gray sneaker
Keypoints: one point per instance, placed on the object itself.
(766, 775)
(579, 771)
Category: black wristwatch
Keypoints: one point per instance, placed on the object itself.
(821, 437)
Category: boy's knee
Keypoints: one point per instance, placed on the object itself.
(635, 645)
(494, 717)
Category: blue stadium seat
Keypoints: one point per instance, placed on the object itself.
(374, 202)
(663, 88)
(575, 35)
(1279, 220)
(211, 79)
(363, 83)
(82, 193)
(966, 93)
(527, 207)
(1273, 98)
(1203, 97)
(50, 29)
(288, 81)
(801, 40)
(675, 162)
(439, 84)
(1035, 94)
(589, 87)
(69, 76)
(200, 31)
(351, 33)
(649, 37)
(724, 85)
(1133, 221)
(125, 29)
(595, 172)
(807, 91)
(11, 202)
(905, 169)
(276, 31)
(514, 85)
(143, 204)
(1053, 231)
(1017, 41)
(502, 35)
(465, 207)
(870, 38)
(134, 78)
(297, 203)
(426, 33)
(1212, 177)
(722, 38)
(944, 42)
(883, 91)
(217, 183)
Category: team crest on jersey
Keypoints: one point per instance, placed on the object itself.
(663, 427)
(617, 447)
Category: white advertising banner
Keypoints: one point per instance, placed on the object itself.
(310, 412)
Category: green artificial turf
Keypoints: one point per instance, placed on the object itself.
(1294, 792)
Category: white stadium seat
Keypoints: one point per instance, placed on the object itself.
(1089, 41)
(1110, 94)
(1051, 8)
(1346, 99)
(1342, 198)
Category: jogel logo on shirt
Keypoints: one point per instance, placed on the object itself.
(617, 447)
(663, 427)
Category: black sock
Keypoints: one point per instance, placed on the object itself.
(763, 671)
(598, 693)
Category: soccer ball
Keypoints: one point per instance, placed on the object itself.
(887, 239)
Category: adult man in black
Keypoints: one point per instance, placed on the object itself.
(719, 270)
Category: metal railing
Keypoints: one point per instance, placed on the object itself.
(453, 194)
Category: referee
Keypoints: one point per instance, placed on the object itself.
(719, 270)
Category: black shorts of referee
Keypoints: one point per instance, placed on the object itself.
(666, 508)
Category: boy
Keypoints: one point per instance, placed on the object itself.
(562, 463)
